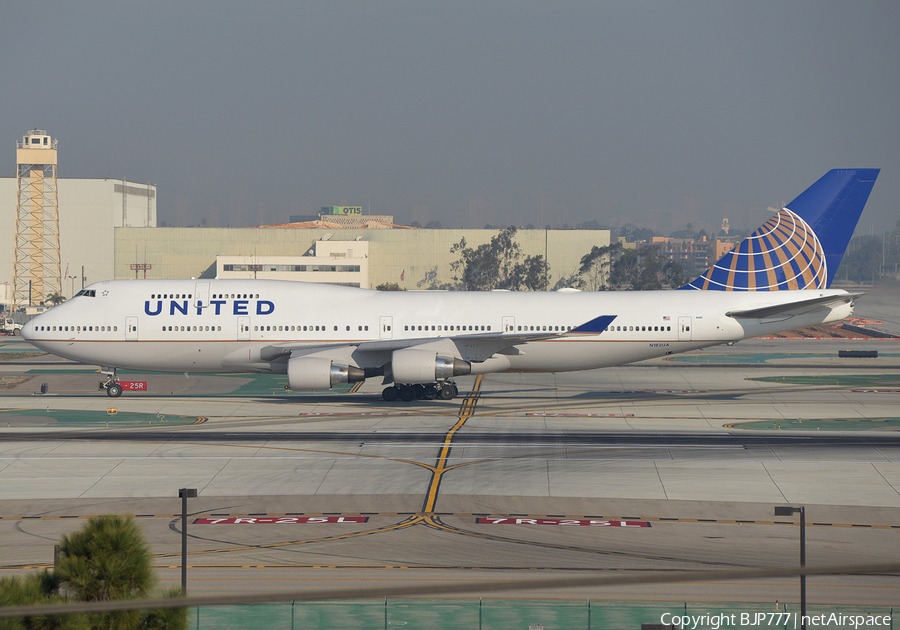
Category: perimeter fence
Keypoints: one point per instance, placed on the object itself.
(432, 614)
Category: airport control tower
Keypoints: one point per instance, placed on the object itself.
(36, 273)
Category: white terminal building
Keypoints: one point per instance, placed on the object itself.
(89, 210)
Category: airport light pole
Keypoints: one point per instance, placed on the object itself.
(790, 511)
(185, 494)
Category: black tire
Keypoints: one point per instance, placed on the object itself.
(113, 390)
(407, 393)
(15, 332)
(431, 392)
(390, 394)
(455, 390)
(446, 392)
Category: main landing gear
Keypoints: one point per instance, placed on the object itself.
(446, 390)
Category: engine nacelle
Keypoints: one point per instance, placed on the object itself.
(319, 373)
(416, 365)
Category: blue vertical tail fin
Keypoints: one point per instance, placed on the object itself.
(801, 246)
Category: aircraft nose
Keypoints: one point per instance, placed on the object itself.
(27, 330)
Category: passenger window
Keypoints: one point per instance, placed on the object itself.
(366, 328)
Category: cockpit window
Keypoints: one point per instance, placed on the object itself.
(86, 293)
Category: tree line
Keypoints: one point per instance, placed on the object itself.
(501, 264)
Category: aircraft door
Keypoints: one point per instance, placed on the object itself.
(243, 331)
(131, 328)
(385, 326)
(684, 329)
(509, 323)
(201, 294)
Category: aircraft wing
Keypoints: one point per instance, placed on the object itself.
(476, 347)
(470, 347)
(790, 309)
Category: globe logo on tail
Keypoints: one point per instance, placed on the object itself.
(784, 254)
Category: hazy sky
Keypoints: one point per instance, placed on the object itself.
(482, 111)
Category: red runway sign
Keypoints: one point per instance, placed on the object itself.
(559, 521)
(279, 520)
(133, 386)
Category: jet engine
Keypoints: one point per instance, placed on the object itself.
(319, 373)
(415, 365)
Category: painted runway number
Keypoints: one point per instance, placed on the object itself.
(560, 521)
(279, 520)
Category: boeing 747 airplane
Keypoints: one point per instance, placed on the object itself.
(320, 335)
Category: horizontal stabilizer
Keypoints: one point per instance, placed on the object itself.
(794, 308)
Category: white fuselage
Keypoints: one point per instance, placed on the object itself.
(233, 325)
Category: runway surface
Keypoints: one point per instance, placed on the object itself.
(669, 465)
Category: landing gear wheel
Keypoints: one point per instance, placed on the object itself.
(455, 389)
(447, 392)
(113, 390)
(390, 394)
(430, 393)
(407, 393)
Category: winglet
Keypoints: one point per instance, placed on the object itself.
(595, 326)
(802, 245)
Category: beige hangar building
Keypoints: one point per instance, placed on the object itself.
(413, 258)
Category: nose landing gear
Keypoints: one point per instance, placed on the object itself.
(112, 387)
